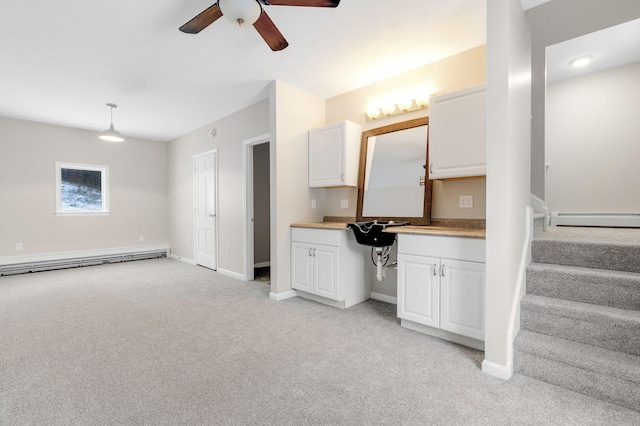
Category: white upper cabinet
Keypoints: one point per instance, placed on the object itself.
(457, 134)
(334, 154)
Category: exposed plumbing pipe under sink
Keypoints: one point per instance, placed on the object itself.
(381, 259)
(371, 234)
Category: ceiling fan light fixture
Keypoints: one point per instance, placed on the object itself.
(111, 134)
(240, 11)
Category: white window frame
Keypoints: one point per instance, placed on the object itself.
(104, 190)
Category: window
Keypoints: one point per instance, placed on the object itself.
(82, 189)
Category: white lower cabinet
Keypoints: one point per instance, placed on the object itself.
(419, 289)
(462, 297)
(329, 266)
(441, 285)
(315, 269)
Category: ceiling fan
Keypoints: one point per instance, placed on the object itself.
(251, 11)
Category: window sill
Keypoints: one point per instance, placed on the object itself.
(83, 213)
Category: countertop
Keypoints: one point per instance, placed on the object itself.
(451, 228)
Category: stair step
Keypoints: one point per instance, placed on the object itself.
(617, 256)
(603, 326)
(596, 372)
(588, 285)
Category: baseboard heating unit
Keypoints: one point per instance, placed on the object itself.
(38, 263)
(609, 220)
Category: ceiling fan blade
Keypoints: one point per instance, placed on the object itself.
(312, 3)
(270, 33)
(202, 21)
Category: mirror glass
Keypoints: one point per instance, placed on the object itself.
(392, 184)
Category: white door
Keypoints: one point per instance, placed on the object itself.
(302, 266)
(462, 298)
(205, 198)
(326, 156)
(419, 289)
(326, 272)
(457, 134)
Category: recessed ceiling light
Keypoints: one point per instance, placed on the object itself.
(581, 61)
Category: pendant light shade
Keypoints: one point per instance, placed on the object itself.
(111, 134)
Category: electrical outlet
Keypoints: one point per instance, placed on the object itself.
(313, 203)
(228, 247)
(466, 201)
(141, 238)
(344, 204)
(19, 247)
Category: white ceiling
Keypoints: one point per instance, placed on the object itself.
(612, 47)
(63, 60)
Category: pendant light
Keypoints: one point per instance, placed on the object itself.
(111, 134)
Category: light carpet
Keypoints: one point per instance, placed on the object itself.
(161, 342)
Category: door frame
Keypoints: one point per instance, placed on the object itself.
(195, 199)
(247, 164)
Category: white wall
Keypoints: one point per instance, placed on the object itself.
(231, 131)
(138, 190)
(508, 172)
(293, 113)
(593, 142)
(552, 23)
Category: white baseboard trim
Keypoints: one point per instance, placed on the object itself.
(261, 264)
(46, 257)
(232, 274)
(282, 296)
(384, 298)
(537, 204)
(323, 300)
(497, 370)
(623, 220)
(183, 259)
(443, 334)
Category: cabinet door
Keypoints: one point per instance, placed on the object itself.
(462, 298)
(326, 271)
(457, 134)
(419, 289)
(302, 266)
(327, 156)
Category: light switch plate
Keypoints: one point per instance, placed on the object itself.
(344, 204)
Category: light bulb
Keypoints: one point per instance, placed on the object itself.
(405, 104)
(388, 109)
(373, 113)
(581, 62)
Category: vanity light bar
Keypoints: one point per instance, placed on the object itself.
(376, 109)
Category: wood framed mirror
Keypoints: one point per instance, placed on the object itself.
(393, 181)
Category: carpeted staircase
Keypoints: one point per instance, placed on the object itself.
(580, 318)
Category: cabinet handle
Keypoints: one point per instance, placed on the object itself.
(314, 252)
(442, 270)
(310, 252)
(342, 177)
(435, 270)
(431, 168)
